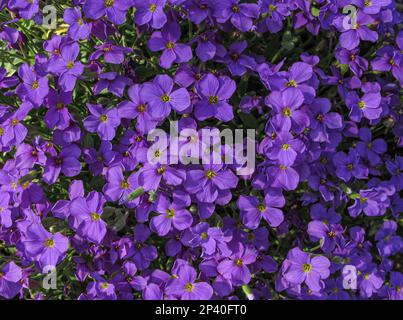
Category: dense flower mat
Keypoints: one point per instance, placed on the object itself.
(84, 214)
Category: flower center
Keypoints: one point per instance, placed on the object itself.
(109, 3)
(170, 45)
(367, 3)
(70, 65)
(189, 287)
(153, 7)
(213, 100)
(287, 112)
(363, 199)
(204, 235)
(141, 108)
(261, 207)
(210, 174)
(125, 185)
(292, 83)
(35, 85)
(170, 213)
(272, 7)
(320, 117)
(165, 98)
(235, 9)
(282, 167)
(350, 166)
(95, 216)
(157, 154)
(103, 118)
(49, 243)
(307, 267)
(285, 146)
(331, 234)
(239, 262)
(161, 170)
(59, 105)
(105, 285)
(14, 122)
(1, 131)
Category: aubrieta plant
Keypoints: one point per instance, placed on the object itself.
(83, 208)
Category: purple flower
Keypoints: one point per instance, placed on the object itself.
(170, 214)
(33, 88)
(161, 97)
(357, 30)
(276, 13)
(115, 10)
(185, 287)
(5, 212)
(150, 11)
(66, 162)
(26, 8)
(388, 242)
(235, 268)
(58, 114)
(101, 121)
(13, 131)
(327, 234)
(348, 166)
(368, 106)
(78, 29)
(66, 66)
(166, 40)
(112, 54)
(370, 149)
(10, 280)
(322, 120)
(27, 156)
(389, 59)
(115, 83)
(240, 14)
(214, 94)
(143, 253)
(372, 201)
(209, 184)
(86, 216)
(371, 7)
(119, 187)
(199, 10)
(137, 108)
(237, 62)
(396, 170)
(97, 160)
(370, 281)
(252, 210)
(302, 268)
(286, 106)
(7, 82)
(44, 247)
(285, 149)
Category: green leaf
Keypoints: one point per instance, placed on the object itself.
(135, 194)
(315, 11)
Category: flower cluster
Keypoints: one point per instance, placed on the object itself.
(79, 196)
